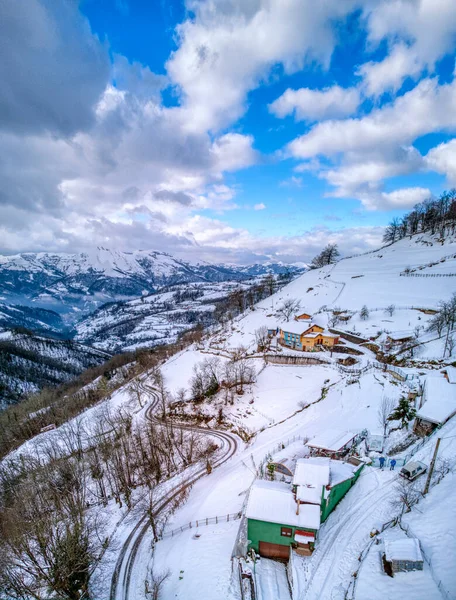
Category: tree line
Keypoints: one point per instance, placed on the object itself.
(432, 215)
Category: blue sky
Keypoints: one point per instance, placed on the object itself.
(226, 130)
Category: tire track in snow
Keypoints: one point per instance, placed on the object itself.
(121, 579)
(346, 528)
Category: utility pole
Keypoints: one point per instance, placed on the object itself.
(431, 468)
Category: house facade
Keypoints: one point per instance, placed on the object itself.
(280, 517)
(305, 336)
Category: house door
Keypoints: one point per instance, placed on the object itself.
(269, 550)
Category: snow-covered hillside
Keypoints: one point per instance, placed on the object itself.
(30, 362)
(272, 415)
(156, 319)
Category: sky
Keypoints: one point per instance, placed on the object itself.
(222, 130)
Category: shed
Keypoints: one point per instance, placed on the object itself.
(283, 466)
(274, 518)
(332, 442)
(404, 555)
(439, 404)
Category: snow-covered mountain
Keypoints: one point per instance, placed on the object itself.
(71, 284)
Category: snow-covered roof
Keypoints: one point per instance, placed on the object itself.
(309, 493)
(400, 335)
(273, 502)
(403, 549)
(297, 327)
(341, 471)
(331, 439)
(312, 472)
(440, 402)
(451, 373)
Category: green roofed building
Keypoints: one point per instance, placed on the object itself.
(282, 516)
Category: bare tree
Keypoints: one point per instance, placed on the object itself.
(407, 495)
(154, 585)
(262, 338)
(386, 407)
(390, 310)
(288, 308)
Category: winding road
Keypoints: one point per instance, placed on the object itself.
(120, 583)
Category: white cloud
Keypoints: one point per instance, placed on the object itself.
(442, 159)
(403, 198)
(390, 73)
(427, 108)
(259, 206)
(229, 47)
(313, 105)
(418, 34)
(233, 151)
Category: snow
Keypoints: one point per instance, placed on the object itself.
(331, 439)
(273, 501)
(403, 549)
(451, 373)
(440, 402)
(374, 584)
(312, 471)
(271, 580)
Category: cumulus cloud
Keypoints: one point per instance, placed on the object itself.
(428, 107)
(259, 206)
(313, 105)
(442, 159)
(229, 47)
(418, 34)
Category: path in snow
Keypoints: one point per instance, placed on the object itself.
(343, 536)
(271, 581)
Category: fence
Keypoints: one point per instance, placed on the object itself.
(445, 593)
(201, 523)
(427, 274)
(350, 593)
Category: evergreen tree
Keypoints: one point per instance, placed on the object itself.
(364, 313)
(404, 412)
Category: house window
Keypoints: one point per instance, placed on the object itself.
(286, 532)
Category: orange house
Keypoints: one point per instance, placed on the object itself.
(306, 338)
(303, 317)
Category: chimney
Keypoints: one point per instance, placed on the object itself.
(297, 507)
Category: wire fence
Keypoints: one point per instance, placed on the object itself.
(202, 522)
(427, 274)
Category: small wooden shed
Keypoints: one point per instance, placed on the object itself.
(404, 555)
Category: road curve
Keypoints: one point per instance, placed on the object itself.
(120, 582)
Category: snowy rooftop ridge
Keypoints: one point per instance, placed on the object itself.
(403, 549)
(273, 502)
(331, 439)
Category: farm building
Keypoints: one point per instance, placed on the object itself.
(439, 405)
(332, 443)
(280, 516)
(303, 317)
(397, 339)
(306, 336)
(403, 554)
(274, 521)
